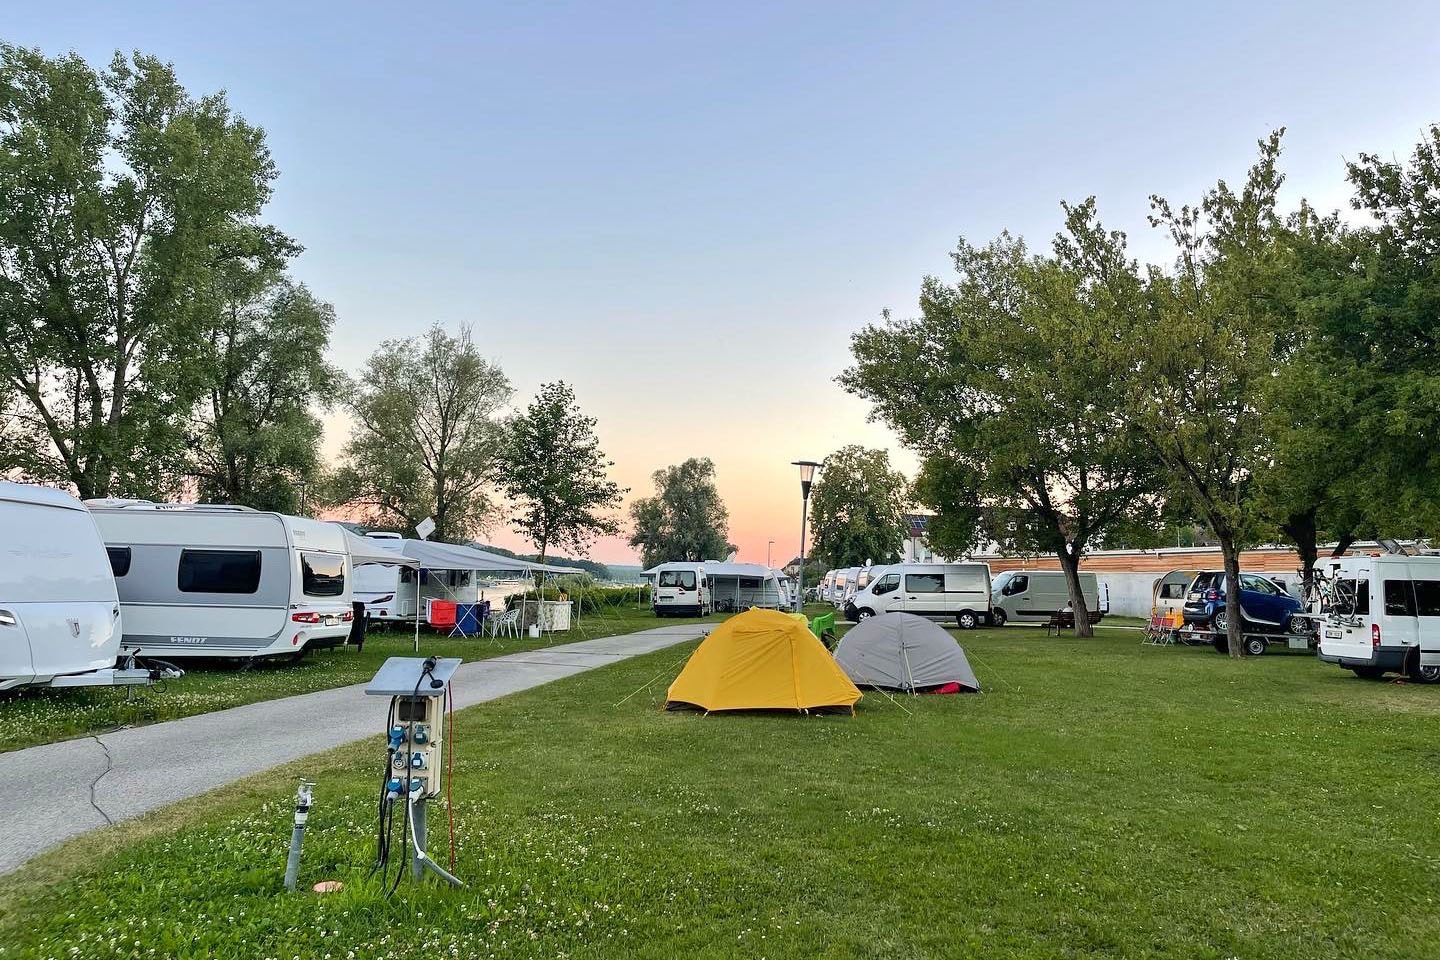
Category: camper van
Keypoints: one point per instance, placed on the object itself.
(940, 591)
(200, 580)
(1382, 615)
(681, 590)
(59, 615)
(1034, 596)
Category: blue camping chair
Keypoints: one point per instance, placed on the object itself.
(469, 619)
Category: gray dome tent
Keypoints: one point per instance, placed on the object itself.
(900, 651)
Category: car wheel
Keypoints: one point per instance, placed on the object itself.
(967, 620)
(1297, 625)
(1427, 673)
(1220, 623)
(863, 614)
(1254, 646)
(997, 618)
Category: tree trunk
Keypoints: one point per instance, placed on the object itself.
(1234, 633)
(1070, 563)
(1301, 530)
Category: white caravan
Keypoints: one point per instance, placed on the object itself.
(844, 586)
(59, 615)
(201, 580)
(1381, 615)
(940, 591)
(1034, 596)
(682, 589)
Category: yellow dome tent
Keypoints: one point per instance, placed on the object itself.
(762, 660)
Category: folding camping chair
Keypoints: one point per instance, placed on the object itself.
(469, 620)
(440, 614)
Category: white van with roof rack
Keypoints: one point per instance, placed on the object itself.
(209, 580)
(1381, 614)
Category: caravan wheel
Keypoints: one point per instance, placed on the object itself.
(1254, 646)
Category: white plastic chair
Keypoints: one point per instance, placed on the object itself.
(508, 623)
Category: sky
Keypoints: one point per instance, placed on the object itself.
(686, 210)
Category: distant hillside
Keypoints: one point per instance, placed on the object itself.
(624, 573)
(593, 567)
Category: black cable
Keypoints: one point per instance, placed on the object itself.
(382, 846)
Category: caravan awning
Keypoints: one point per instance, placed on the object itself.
(450, 556)
(368, 550)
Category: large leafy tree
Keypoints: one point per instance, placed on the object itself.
(556, 475)
(256, 435)
(999, 388)
(685, 520)
(1199, 364)
(858, 508)
(426, 435)
(122, 194)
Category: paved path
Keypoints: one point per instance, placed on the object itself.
(47, 791)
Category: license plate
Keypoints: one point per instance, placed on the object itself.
(1332, 634)
(331, 621)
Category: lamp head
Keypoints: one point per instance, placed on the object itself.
(807, 475)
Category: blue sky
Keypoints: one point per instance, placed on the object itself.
(685, 209)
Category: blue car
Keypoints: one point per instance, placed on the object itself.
(1264, 608)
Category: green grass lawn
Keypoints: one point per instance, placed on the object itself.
(1100, 799)
(30, 717)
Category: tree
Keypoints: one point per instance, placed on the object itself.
(256, 436)
(1196, 366)
(998, 386)
(122, 194)
(556, 475)
(685, 520)
(425, 439)
(858, 508)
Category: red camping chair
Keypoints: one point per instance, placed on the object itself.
(441, 615)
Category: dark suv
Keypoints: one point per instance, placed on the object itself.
(1264, 608)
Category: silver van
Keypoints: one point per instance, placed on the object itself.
(1034, 596)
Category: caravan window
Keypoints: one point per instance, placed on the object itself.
(749, 583)
(1427, 598)
(1399, 598)
(219, 571)
(684, 579)
(1175, 590)
(925, 582)
(119, 561)
(322, 574)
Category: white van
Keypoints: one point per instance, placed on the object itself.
(1034, 596)
(681, 590)
(59, 615)
(199, 580)
(1381, 615)
(940, 591)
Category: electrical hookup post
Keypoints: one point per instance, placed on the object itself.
(416, 740)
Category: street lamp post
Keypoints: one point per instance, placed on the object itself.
(807, 476)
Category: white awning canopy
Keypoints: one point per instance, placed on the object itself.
(449, 556)
(368, 550)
